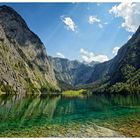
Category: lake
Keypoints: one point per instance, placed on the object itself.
(97, 115)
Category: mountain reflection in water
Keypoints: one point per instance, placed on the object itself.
(21, 112)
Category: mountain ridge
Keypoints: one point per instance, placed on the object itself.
(25, 67)
(68, 71)
(122, 74)
(114, 75)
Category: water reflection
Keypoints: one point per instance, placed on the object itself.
(20, 111)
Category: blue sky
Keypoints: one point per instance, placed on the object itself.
(93, 30)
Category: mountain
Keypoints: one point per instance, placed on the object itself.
(71, 72)
(24, 65)
(122, 73)
(125, 70)
(75, 73)
(127, 60)
(26, 68)
(92, 63)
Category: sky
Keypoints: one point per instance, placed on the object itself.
(82, 31)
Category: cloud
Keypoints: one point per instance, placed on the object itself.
(69, 23)
(90, 56)
(60, 55)
(106, 23)
(93, 19)
(130, 12)
(100, 25)
(115, 50)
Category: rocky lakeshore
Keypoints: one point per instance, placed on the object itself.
(72, 129)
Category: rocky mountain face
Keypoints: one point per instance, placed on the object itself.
(26, 68)
(122, 73)
(24, 65)
(70, 72)
(127, 60)
(77, 73)
(125, 70)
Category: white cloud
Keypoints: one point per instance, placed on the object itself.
(60, 55)
(90, 56)
(69, 23)
(130, 12)
(93, 19)
(115, 50)
(106, 23)
(100, 25)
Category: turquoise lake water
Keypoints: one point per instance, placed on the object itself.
(20, 112)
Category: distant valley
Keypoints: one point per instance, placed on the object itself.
(25, 66)
(120, 74)
(46, 96)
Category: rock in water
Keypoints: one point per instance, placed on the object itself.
(24, 65)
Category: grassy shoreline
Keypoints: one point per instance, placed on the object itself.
(74, 93)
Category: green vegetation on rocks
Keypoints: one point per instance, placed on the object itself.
(74, 93)
(24, 66)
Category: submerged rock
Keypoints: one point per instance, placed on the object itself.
(94, 131)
